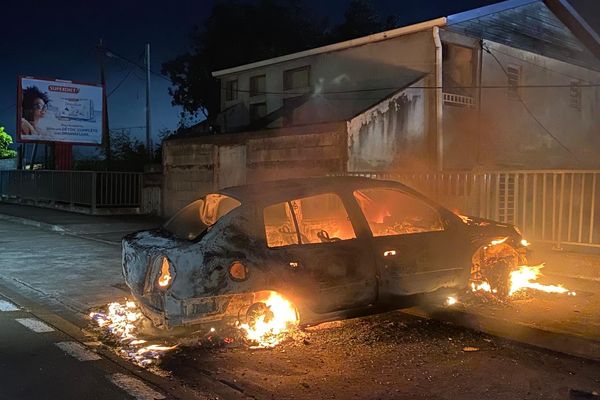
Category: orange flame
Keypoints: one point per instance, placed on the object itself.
(122, 320)
(525, 277)
(267, 332)
(165, 275)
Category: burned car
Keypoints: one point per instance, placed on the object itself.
(327, 245)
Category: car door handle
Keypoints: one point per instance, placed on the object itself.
(295, 265)
(389, 253)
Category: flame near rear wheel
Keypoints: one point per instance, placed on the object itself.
(267, 321)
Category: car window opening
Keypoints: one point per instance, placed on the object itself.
(314, 219)
(390, 212)
(193, 220)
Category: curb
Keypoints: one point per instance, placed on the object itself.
(52, 228)
(586, 278)
(559, 342)
(30, 222)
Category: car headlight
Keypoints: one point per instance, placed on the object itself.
(167, 274)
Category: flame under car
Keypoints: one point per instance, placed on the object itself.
(329, 246)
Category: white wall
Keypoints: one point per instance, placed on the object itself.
(510, 136)
(391, 135)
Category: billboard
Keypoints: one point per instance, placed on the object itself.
(53, 110)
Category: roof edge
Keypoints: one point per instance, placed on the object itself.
(569, 16)
(487, 10)
(376, 37)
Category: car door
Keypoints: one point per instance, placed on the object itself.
(417, 250)
(314, 238)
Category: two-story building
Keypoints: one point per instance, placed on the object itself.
(513, 85)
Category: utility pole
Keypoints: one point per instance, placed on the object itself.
(106, 130)
(148, 125)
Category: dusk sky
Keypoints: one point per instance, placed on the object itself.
(58, 39)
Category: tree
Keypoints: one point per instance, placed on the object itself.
(361, 19)
(5, 142)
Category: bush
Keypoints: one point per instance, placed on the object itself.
(5, 142)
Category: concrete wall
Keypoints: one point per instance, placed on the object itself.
(312, 153)
(374, 65)
(196, 166)
(510, 135)
(230, 166)
(392, 135)
(188, 172)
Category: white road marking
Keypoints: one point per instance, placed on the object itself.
(135, 387)
(35, 325)
(6, 306)
(77, 351)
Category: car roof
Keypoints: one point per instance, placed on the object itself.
(280, 190)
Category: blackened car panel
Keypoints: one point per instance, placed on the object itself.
(331, 276)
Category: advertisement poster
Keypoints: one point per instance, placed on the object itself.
(52, 110)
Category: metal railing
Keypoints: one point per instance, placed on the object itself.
(561, 207)
(557, 206)
(451, 98)
(93, 189)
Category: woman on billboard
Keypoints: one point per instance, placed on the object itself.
(35, 104)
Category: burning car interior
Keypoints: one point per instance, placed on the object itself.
(314, 219)
(390, 212)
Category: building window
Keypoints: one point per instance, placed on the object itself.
(298, 78)
(458, 69)
(575, 94)
(513, 74)
(257, 111)
(231, 90)
(258, 85)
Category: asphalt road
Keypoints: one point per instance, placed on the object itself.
(388, 356)
(391, 356)
(37, 361)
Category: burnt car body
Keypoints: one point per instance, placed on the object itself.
(329, 245)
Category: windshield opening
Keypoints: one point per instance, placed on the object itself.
(197, 217)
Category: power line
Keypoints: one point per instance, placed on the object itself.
(131, 69)
(120, 83)
(110, 53)
(487, 50)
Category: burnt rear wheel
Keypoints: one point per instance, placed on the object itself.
(258, 312)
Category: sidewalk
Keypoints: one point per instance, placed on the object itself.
(109, 229)
(566, 264)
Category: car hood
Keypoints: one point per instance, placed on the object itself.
(483, 229)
